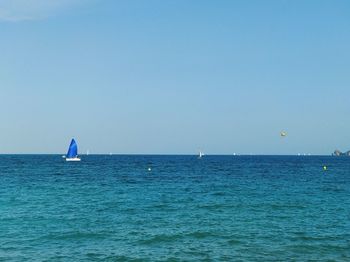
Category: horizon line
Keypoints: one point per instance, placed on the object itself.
(163, 154)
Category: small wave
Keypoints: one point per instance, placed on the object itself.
(335, 189)
(75, 236)
(160, 239)
(212, 206)
(117, 258)
(234, 242)
(219, 194)
(201, 234)
(286, 206)
(160, 206)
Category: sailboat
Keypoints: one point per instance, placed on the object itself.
(201, 154)
(72, 154)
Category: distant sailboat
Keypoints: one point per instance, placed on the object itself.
(72, 154)
(201, 154)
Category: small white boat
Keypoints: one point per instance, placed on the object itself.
(72, 154)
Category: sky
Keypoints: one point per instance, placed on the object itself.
(175, 77)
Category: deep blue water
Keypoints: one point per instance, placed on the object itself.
(218, 208)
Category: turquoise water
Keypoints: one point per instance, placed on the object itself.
(218, 208)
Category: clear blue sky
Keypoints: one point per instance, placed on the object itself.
(162, 76)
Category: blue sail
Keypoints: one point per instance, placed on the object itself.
(73, 150)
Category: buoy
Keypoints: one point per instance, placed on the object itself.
(324, 168)
(149, 169)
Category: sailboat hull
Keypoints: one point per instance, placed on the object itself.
(75, 159)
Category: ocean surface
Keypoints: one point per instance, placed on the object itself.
(218, 208)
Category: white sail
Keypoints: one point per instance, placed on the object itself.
(201, 154)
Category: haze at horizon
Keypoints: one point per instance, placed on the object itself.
(175, 76)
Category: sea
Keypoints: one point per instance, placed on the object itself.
(174, 208)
